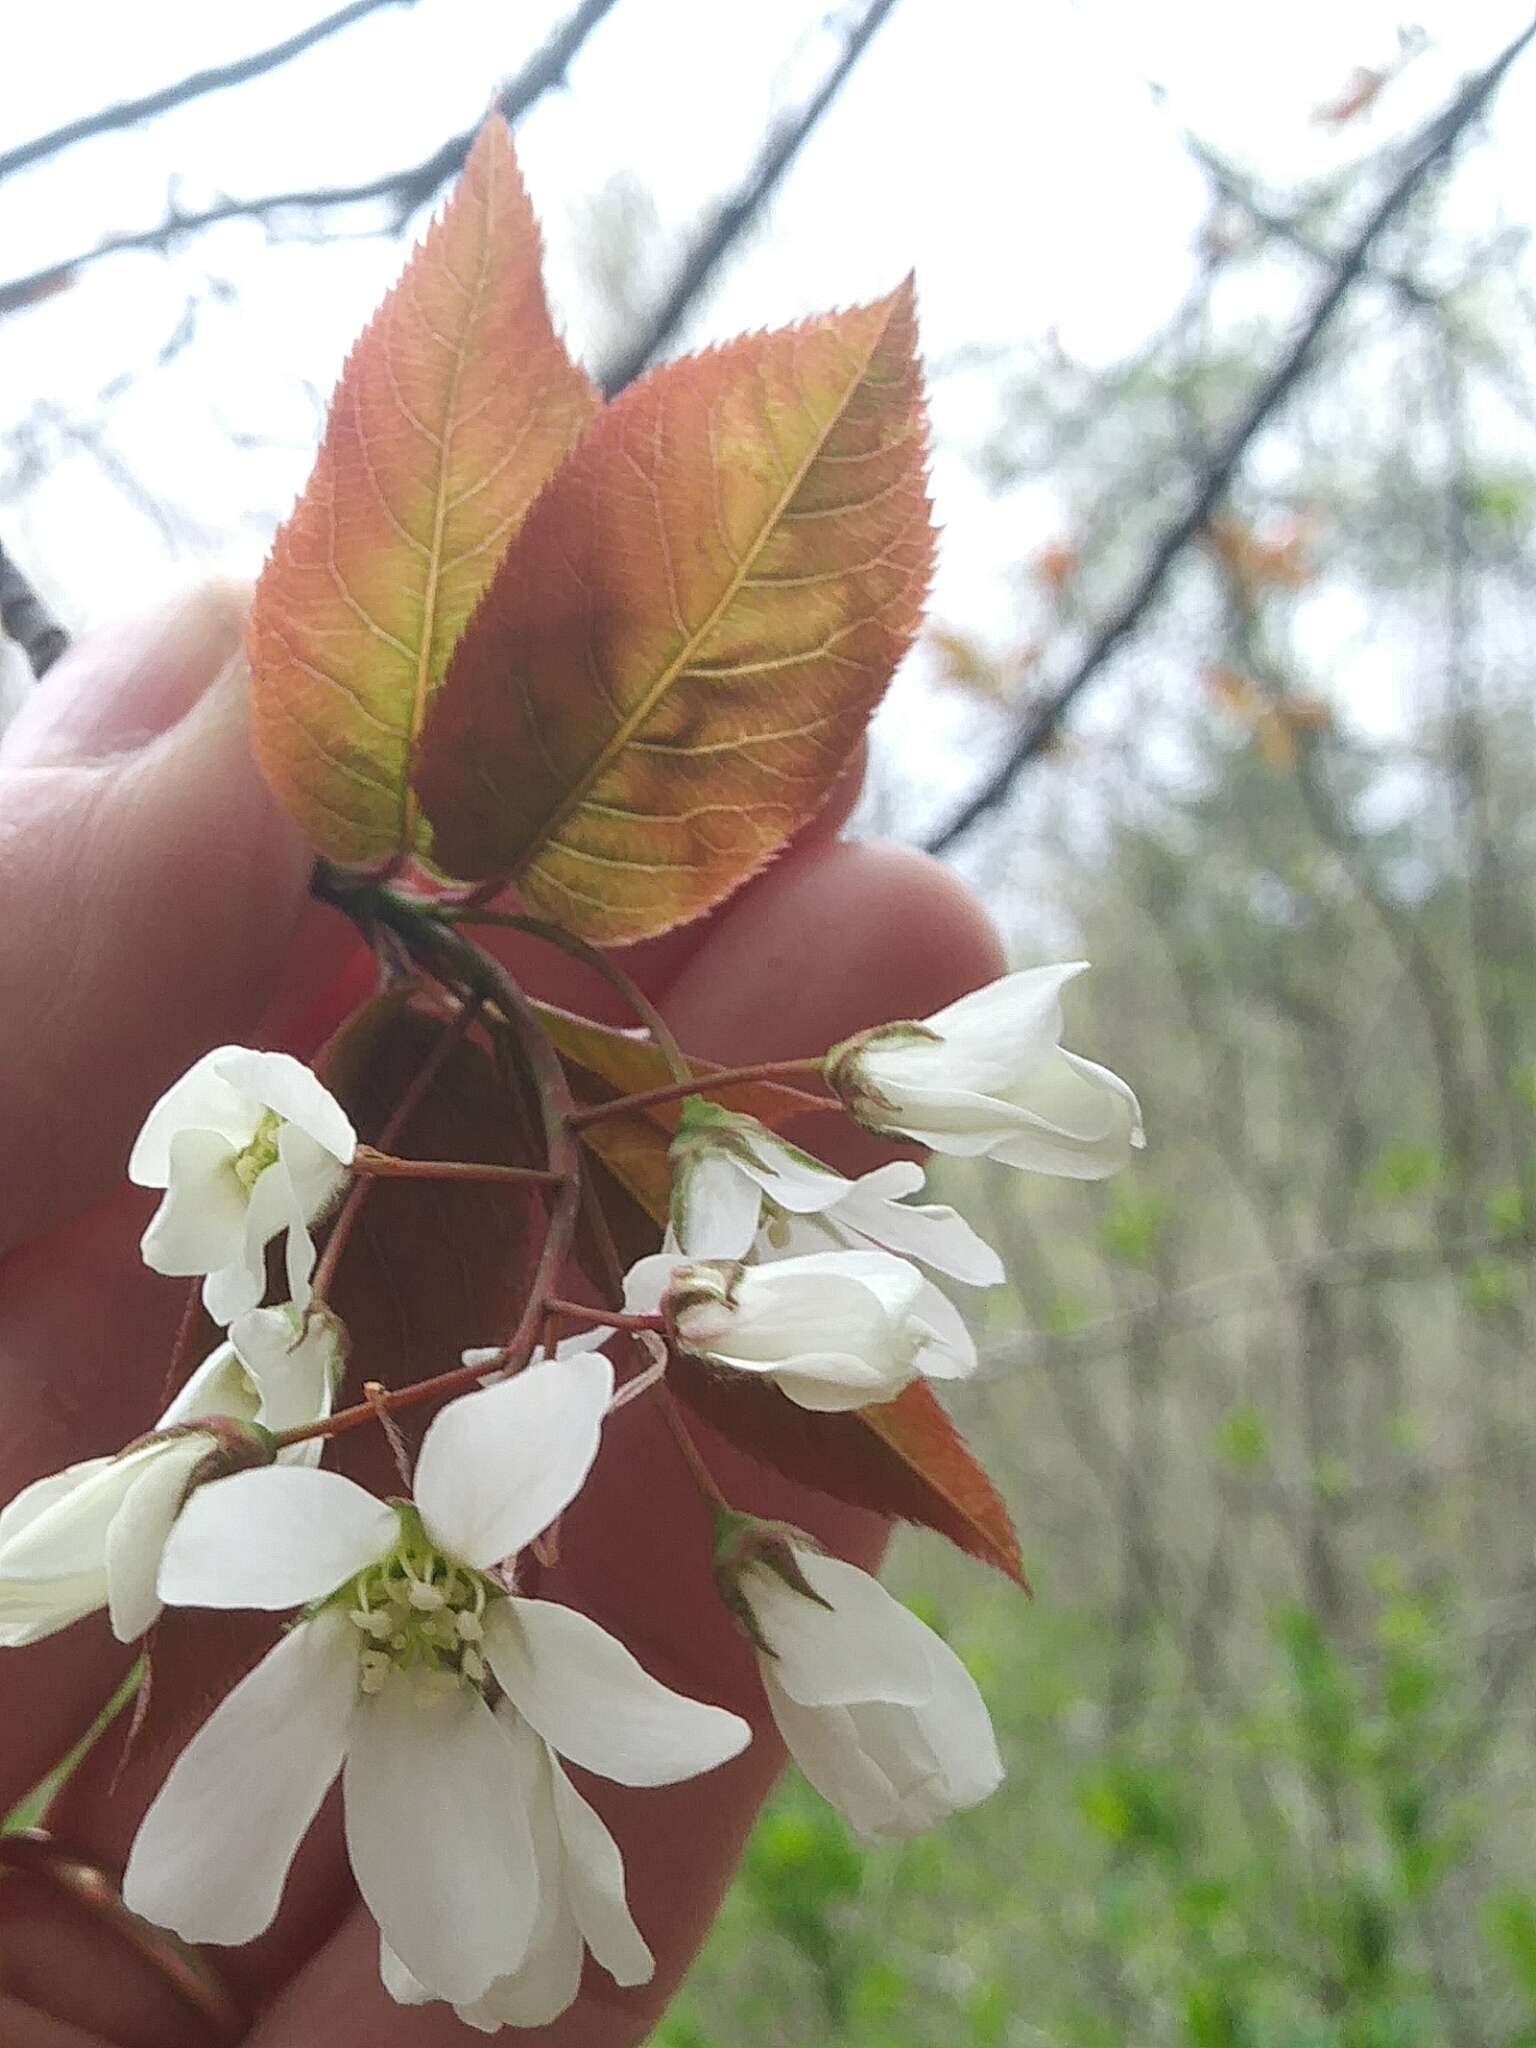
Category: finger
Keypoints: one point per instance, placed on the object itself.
(860, 934)
(150, 886)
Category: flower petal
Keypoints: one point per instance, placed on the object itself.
(220, 1386)
(716, 1204)
(831, 1385)
(931, 1232)
(593, 1702)
(544, 1985)
(647, 1281)
(279, 1082)
(952, 1354)
(279, 1738)
(293, 1367)
(440, 1848)
(33, 1609)
(1082, 1121)
(42, 1494)
(792, 1178)
(66, 1535)
(863, 1645)
(201, 1100)
(1003, 1029)
(594, 1876)
(233, 1290)
(137, 1535)
(397, 1980)
(273, 1538)
(200, 1223)
(497, 1466)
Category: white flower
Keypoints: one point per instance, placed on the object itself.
(723, 1165)
(385, 1680)
(835, 1330)
(92, 1536)
(877, 1710)
(989, 1075)
(245, 1144)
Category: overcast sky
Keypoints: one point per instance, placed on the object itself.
(1012, 152)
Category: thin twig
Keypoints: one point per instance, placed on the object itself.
(735, 215)
(1437, 140)
(704, 1084)
(128, 113)
(407, 189)
(25, 619)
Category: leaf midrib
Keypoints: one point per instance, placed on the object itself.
(542, 834)
(410, 806)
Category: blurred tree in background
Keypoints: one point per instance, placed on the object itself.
(1246, 722)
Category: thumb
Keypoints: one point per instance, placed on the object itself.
(150, 884)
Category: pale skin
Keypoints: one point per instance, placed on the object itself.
(155, 903)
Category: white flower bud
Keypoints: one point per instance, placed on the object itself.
(834, 1330)
(988, 1075)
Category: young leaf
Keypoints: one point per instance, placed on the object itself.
(692, 629)
(904, 1458)
(457, 403)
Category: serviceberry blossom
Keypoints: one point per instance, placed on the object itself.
(988, 1075)
(386, 1678)
(246, 1145)
(834, 1330)
(736, 1184)
(92, 1536)
(878, 1711)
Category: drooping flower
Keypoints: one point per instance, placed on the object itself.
(988, 1075)
(834, 1330)
(385, 1680)
(878, 1711)
(246, 1145)
(92, 1536)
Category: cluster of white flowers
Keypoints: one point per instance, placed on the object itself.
(448, 1701)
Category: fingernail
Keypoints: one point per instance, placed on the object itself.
(124, 686)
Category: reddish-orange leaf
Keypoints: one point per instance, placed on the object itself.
(904, 1458)
(455, 406)
(692, 629)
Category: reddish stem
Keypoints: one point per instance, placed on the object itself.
(386, 1167)
(704, 1084)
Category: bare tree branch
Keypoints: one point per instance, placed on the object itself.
(127, 113)
(25, 619)
(735, 215)
(1435, 143)
(406, 189)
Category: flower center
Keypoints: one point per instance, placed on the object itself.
(419, 1612)
(260, 1153)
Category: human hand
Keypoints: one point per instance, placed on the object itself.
(156, 904)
